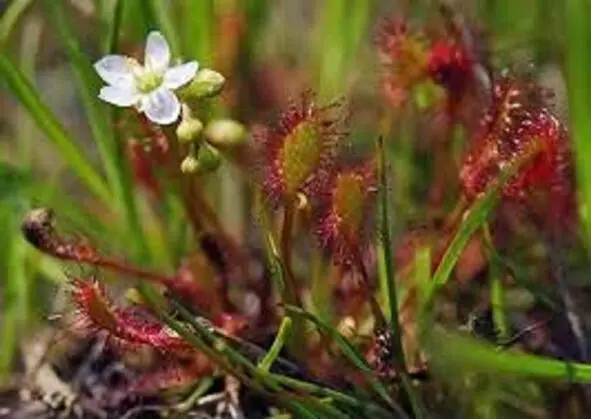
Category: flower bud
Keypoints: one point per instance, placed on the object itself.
(189, 130)
(189, 164)
(202, 160)
(208, 159)
(225, 133)
(206, 83)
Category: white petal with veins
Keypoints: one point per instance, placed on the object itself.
(115, 70)
(157, 55)
(119, 96)
(180, 75)
(161, 106)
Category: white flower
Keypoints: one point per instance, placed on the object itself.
(149, 87)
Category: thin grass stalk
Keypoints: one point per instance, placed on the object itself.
(111, 40)
(10, 18)
(578, 62)
(277, 345)
(385, 250)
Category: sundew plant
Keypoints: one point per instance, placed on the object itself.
(295, 209)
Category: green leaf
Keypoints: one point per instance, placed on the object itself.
(385, 262)
(497, 290)
(23, 90)
(275, 349)
(578, 61)
(473, 219)
(160, 14)
(388, 281)
(455, 352)
(14, 285)
(10, 18)
(114, 26)
(29, 45)
(197, 20)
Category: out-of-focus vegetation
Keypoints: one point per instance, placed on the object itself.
(458, 289)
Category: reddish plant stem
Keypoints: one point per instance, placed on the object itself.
(201, 215)
(127, 270)
(291, 287)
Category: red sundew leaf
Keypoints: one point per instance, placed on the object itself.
(298, 152)
(94, 309)
(343, 213)
(127, 327)
(515, 125)
(404, 57)
(449, 65)
(454, 60)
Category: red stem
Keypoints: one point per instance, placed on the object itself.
(286, 253)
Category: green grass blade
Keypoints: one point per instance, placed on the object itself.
(578, 62)
(388, 280)
(497, 290)
(473, 219)
(10, 18)
(367, 409)
(30, 42)
(88, 86)
(230, 358)
(23, 90)
(331, 48)
(456, 352)
(386, 264)
(99, 120)
(348, 350)
(160, 14)
(341, 27)
(15, 290)
(275, 349)
(197, 19)
(114, 26)
(343, 343)
(14, 281)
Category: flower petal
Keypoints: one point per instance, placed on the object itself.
(119, 96)
(157, 55)
(161, 106)
(115, 70)
(177, 76)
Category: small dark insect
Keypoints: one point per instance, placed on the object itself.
(382, 362)
(383, 353)
(482, 325)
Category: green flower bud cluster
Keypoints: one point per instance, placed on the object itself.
(203, 141)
